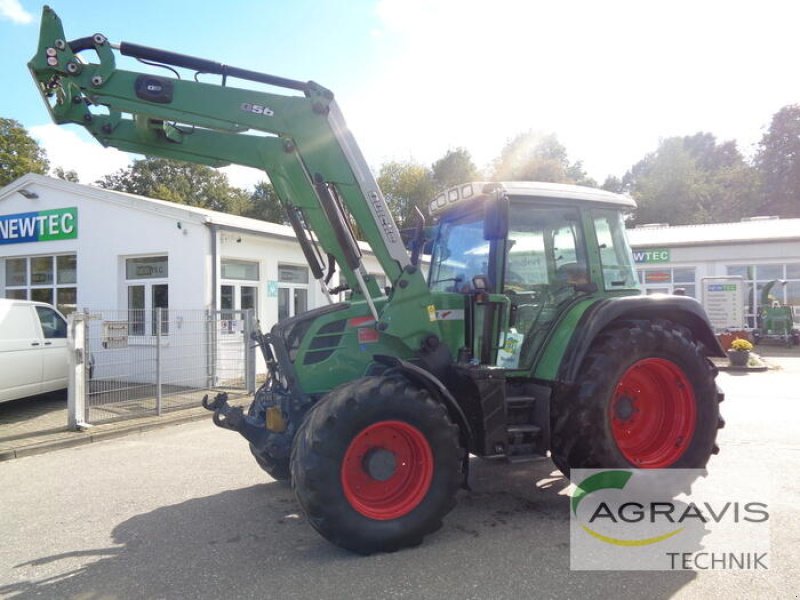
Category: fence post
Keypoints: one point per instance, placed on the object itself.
(211, 359)
(76, 391)
(249, 352)
(158, 361)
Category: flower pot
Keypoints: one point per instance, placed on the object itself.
(738, 358)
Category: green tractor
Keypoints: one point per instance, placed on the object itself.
(775, 320)
(528, 337)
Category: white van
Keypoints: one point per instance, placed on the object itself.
(33, 349)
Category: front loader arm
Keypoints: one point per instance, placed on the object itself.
(301, 142)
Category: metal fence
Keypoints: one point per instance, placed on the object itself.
(134, 363)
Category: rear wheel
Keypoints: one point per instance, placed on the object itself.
(646, 398)
(377, 465)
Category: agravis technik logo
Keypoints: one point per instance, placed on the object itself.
(646, 520)
(613, 480)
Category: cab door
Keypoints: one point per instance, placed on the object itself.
(55, 362)
(545, 268)
(20, 352)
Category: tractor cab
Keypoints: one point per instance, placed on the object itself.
(522, 254)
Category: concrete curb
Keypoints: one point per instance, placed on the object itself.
(71, 439)
(732, 369)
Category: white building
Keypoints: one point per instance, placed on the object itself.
(120, 257)
(759, 250)
(80, 246)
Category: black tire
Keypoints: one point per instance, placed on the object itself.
(277, 468)
(589, 427)
(329, 464)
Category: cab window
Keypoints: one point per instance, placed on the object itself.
(460, 254)
(615, 253)
(545, 248)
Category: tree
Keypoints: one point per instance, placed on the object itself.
(666, 184)
(265, 205)
(531, 156)
(709, 155)
(613, 184)
(692, 179)
(778, 164)
(180, 182)
(453, 168)
(406, 185)
(20, 154)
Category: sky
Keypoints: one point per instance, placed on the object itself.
(415, 78)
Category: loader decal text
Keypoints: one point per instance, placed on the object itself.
(257, 109)
(383, 219)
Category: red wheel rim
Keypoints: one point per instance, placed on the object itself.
(387, 470)
(653, 413)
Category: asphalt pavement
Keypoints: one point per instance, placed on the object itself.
(184, 512)
(38, 424)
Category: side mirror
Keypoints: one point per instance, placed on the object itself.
(495, 220)
(418, 240)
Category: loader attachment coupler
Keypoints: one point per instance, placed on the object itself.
(225, 415)
(233, 418)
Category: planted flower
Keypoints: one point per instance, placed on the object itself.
(740, 345)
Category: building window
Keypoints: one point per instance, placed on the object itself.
(757, 276)
(666, 280)
(50, 279)
(239, 269)
(292, 291)
(148, 290)
(151, 267)
(235, 293)
(248, 297)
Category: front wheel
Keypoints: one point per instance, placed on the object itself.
(277, 468)
(377, 465)
(646, 398)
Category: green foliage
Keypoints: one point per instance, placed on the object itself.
(613, 184)
(531, 156)
(778, 162)
(20, 154)
(405, 185)
(265, 205)
(692, 180)
(453, 168)
(180, 182)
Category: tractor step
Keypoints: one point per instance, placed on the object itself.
(535, 430)
(523, 442)
(513, 402)
(522, 458)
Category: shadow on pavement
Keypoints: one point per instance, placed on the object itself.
(508, 538)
